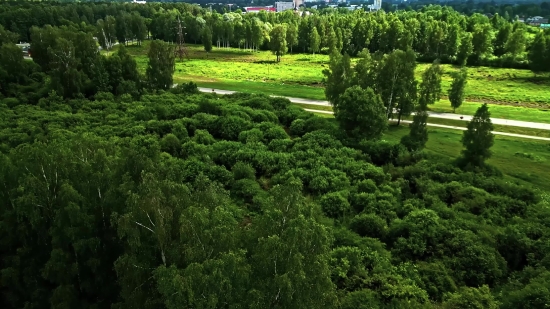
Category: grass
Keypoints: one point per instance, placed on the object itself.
(526, 161)
(451, 122)
(509, 91)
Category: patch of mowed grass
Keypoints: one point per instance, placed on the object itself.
(526, 161)
(451, 122)
(256, 87)
(497, 111)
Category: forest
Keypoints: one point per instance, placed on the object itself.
(433, 32)
(119, 190)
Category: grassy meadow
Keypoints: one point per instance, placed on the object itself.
(523, 160)
(300, 75)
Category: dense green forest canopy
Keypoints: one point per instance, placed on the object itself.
(118, 190)
(184, 200)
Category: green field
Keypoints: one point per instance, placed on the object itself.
(300, 75)
(456, 123)
(523, 160)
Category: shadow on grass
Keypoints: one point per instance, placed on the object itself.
(266, 62)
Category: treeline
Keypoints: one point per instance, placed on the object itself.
(510, 9)
(433, 32)
(183, 200)
(66, 61)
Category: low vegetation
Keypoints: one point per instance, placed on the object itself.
(184, 192)
(118, 190)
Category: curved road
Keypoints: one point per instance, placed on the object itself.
(497, 121)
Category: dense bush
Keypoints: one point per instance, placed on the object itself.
(146, 204)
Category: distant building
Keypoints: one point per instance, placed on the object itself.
(256, 9)
(377, 5)
(283, 6)
(139, 1)
(536, 21)
(25, 48)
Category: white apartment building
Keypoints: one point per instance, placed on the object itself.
(283, 6)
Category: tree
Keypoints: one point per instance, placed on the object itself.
(452, 40)
(257, 33)
(11, 64)
(207, 38)
(314, 40)
(123, 27)
(290, 254)
(396, 83)
(160, 69)
(465, 50)
(502, 37)
(332, 41)
(66, 78)
(360, 113)
(478, 138)
(516, 43)
(138, 27)
(456, 92)
(278, 44)
(292, 35)
(482, 39)
(538, 56)
(430, 87)
(7, 36)
(418, 132)
(338, 76)
(471, 298)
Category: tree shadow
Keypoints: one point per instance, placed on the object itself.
(265, 61)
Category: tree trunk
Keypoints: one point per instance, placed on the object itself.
(399, 117)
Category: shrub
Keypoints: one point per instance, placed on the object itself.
(243, 171)
(203, 137)
(335, 204)
(369, 225)
(185, 88)
(298, 127)
(171, 144)
(231, 126)
(251, 136)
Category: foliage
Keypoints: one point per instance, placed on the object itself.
(115, 197)
(430, 87)
(456, 92)
(277, 41)
(160, 68)
(478, 138)
(360, 113)
(153, 201)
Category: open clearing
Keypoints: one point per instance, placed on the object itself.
(300, 75)
(524, 160)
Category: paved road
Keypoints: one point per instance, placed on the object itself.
(498, 121)
(453, 127)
